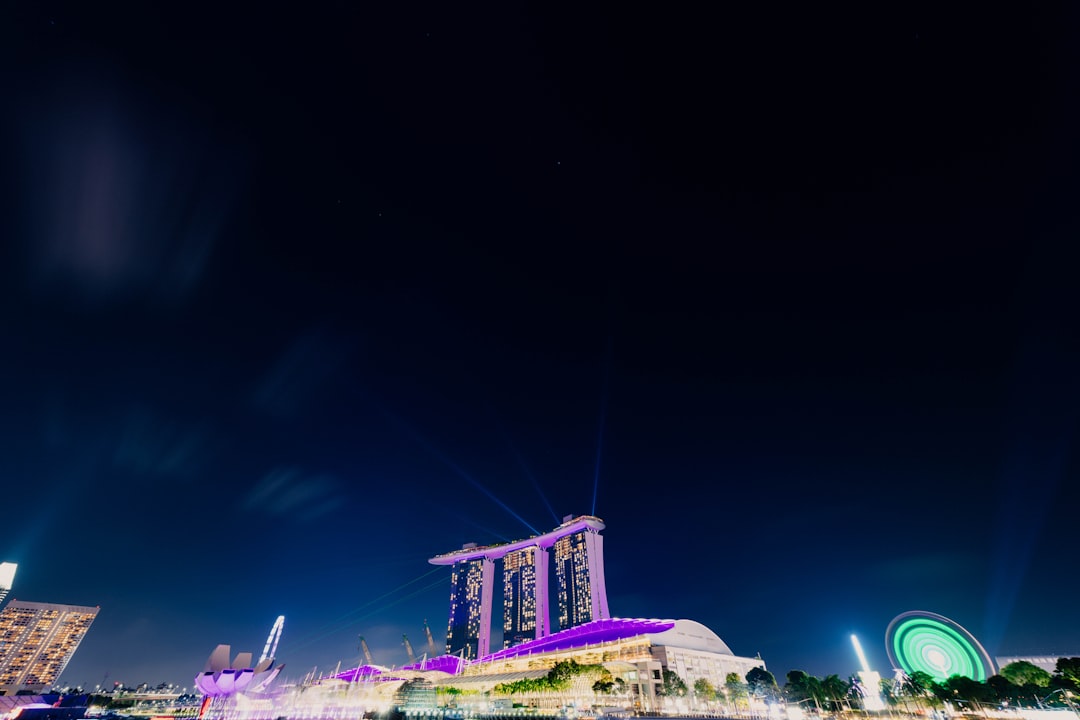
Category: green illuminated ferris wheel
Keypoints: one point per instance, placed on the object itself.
(934, 644)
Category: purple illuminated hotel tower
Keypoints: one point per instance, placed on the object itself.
(579, 571)
(470, 608)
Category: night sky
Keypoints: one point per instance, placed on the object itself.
(294, 298)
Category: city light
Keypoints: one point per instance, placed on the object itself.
(934, 644)
(860, 654)
(870, 680)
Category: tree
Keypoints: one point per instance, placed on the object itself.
(735, 689)
(960, 687)
(889, 691)
(1022, 672)
(919, 683)
(673, 686)
(802, 686)
(1003, 688)
(561, 672)
(605, 684)
(761, 683)
(558, 678)
(795, 689)
(835, 690)
(1067, 673)
(919, 687)
(704, 690)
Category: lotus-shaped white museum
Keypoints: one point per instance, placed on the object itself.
(221, 678)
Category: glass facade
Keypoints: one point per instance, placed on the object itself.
(519, 596)
(466, 593)
(572, 575)
(526, 567)
(37, 640)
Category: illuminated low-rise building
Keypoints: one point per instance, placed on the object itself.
(1045, 661)
(695, 652)
(635, 651)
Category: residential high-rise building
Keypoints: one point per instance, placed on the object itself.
(579, 573)
(36, 642)
(469, 628)
(7, 578)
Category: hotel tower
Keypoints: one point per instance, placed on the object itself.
(36, 642)
(579, 570)
(579, 564)
(470, 608)
(522, 570)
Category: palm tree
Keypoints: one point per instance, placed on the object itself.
(835, 689)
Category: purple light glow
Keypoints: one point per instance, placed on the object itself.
(591, 633)
(450, 664)
(494, 552)
(367, 673)
(221, 678)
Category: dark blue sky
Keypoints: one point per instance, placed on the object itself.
(288, 296)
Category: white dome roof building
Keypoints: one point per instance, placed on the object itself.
(637, 650)
(694, 651)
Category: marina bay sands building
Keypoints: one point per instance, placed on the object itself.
(470, 607)
(520, 572)
(579, 572)
(579, 569)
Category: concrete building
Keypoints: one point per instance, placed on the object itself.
(579, 572)
(695, 652)
(579, 569)
(521, 569)
(37, 640)
(7, 579)
(1046, 662)
(635, 651)
(468, 633)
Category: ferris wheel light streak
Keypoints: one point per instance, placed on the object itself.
(919, 641)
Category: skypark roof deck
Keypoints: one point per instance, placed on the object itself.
(494, 552)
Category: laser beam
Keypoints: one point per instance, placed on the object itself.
(460, 472)
(603, 420)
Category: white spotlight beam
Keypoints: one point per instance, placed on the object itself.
(860, 653)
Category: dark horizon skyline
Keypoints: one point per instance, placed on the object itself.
(293, 299)
(385, 639)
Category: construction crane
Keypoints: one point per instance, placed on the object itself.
(270, 649)
(430, 640)
(408, 648)
(367, 653)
